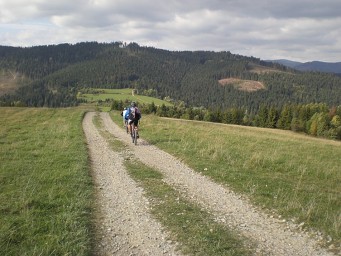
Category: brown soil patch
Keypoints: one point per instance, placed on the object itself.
(243, 85)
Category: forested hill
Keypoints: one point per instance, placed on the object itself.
(52, 76)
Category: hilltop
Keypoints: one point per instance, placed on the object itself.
(312, 66)
(55, 73)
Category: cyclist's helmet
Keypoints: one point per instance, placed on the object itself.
(133, 104)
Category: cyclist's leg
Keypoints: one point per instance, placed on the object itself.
(129, 125)
(136, 124)
(126, 124)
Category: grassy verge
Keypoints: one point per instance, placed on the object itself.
(295, 176)
(45, 187)
(187, 224)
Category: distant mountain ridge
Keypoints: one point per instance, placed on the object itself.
(53, 75)
(328, 67)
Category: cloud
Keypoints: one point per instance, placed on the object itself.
(301, 30)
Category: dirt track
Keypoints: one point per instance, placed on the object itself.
(126, 227)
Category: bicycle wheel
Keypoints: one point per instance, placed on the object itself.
(135, 135)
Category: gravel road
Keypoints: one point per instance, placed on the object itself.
(126, 227)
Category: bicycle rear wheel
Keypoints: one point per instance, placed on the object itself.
(135, 136)
(132, 135)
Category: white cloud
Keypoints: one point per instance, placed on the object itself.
(300, 30)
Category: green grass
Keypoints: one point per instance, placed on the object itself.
(292, 175)
(45, 186)
(122, 94)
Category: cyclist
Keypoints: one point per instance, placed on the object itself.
(133, 114)
(125, 119)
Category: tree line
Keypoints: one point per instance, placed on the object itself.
(316, 119)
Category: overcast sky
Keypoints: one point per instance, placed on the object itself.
(299, 30)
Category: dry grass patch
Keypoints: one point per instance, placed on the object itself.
(259, 69)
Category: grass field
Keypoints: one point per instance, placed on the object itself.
(45, 187)
(122, 94)
(292, 175)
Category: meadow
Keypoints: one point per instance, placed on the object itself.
(120, 95)
(45, 186)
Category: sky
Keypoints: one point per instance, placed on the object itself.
(298, 30)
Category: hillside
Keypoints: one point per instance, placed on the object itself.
(58, 72)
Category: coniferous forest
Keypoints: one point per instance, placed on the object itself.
(52, 75)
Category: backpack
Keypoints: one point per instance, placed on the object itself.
(135, 113)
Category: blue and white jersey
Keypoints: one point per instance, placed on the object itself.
(124, 114)
(128, 112)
